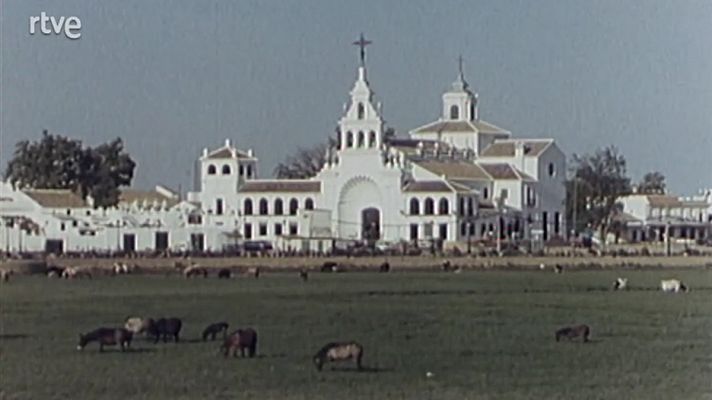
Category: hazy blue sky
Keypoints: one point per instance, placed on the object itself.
(172, 77)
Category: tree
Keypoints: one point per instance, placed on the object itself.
(598, 181)
(57, 162)
(652, 183)
(305, 163)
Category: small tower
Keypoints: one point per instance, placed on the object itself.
(361, 126)
(459, 103)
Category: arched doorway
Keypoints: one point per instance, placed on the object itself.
(370, 224)
(359, 195)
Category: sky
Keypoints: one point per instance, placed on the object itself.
(171, 77)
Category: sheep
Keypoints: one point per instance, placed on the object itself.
(672, 285)
(620, 284)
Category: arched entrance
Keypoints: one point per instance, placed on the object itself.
(370, 224)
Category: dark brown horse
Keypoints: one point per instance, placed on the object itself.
(240, 340)
(339, 351)
(304, 275)
(385, 267)
(213, 329)
(224, 273)
(572, 332)
(106, 337)
(165, 328)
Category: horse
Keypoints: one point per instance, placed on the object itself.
(106, 337)
(329, 266)
(5, 274)
(164, 328)
(385, 267)
(558, 269)
(304, 275)
(241, 339)
(75, 273)
(620, 284)
(195, 270)
(213, 329)
(253, 272)
(138, 325)
(54, 272)
(572, 332)
(673, 285)
(341, 351)
(224, 273)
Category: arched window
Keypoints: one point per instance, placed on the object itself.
(226, 169)
(361, 139)
(552, 169)
(429, 207)
(470, 207)
(242, 170)
(249, 171)
(309, 204)
(293, 206)
(278, 207)
(414, 206)
(472, 112)
(462, 206)
(264, 210)
(485, 193)
(454, 112)
(349, 139)
(212, 170)
(372, 139)
(361, 111)
(247, 207)
(443, 206)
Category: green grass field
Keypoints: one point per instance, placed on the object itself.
(483, 335)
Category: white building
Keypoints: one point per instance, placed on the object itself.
(456, 179)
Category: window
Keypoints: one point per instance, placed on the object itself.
(443, 206)
(361, 139)
(552, 169)
(557, 223)
(278, 207)
(428, 231)
(219, 207)
(278, 229)
(293, 229)
(161, 240)
(360, 111)
(74, 223)
(462, 206)
(293, 206)
(263, 229)
(414, 206)
(531, 197)
(195, 219)
(247, 207)
(349, 139)
(89, 213)
(248, 231)
(61, 226)
(454, 112)
(242, 170)
(429, 208)
(443, 231)
(69, 211)
(249, 171)
(264, 209)
(463, 229)
(212, 170)
(470, 207)
(309, 204)
(485, 192)
(372, 139)
(413, 231)
(226, 169)
(472, 112)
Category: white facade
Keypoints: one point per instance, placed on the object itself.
(452, 180)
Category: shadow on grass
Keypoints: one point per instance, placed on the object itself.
(12, 336)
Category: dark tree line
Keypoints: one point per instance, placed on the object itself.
(58, 162)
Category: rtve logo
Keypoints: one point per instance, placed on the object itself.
(48, 25)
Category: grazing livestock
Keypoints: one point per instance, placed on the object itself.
(304, 275)
(75, 273)
(341, 351)
(122, 268)
(447, 266)
(329, 266)
(54, 272)
(558, 269)
(385, 267)
(213, 329)
(195, 270)
(5, 274)
(253, 272)
(572, 332)
(106, 337)
(673, 286)
(224, 273)
(137, 325)
(620, 284)
(240, 340)
(165, 328)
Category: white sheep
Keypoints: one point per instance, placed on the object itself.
(672, 285)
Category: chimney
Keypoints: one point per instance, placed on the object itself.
(227, 142)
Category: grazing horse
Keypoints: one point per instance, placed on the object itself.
(213, 329)
(447, 266)
(329, 266)
(106, 337)
(54, 272)
(572, 332)
(165, 328)
(341, 351)
(195, 270)
(620, 284)
(558, 269)
(241, 339)
(304, 275)
(224, 273)
(253, 272)
(385, 267)
(137, 325)
(75, 273)
(673, 286)
(5, 274)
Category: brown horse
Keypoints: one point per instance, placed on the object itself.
(341, 351)
(106, 337)
(572, 332)
(240, 340)
(212, 330)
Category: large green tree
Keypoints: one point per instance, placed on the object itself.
(598, 180)
(652, 183)
(58, 162)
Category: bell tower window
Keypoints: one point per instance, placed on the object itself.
(360, 111)
(454, 112)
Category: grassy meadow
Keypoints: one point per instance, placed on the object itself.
(482, 335)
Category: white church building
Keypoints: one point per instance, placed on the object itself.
(453, 180)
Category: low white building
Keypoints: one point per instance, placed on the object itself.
(453, 180)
